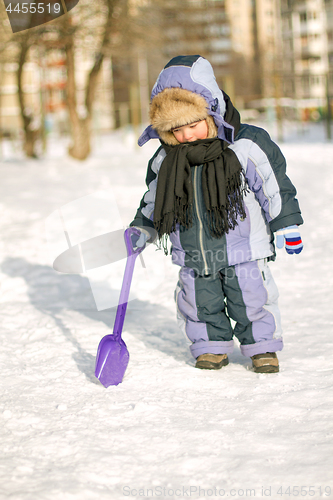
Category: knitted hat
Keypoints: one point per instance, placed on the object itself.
(175, 107)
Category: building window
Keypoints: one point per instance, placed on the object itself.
(304, 41)
(315, 80)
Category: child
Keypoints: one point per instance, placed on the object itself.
(219, 190)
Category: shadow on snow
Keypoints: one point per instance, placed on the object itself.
(51, 293)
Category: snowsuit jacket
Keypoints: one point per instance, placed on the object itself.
(270, 203)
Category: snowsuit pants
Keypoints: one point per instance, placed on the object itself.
(245, 293)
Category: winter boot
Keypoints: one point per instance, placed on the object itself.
(211, 361)
(265, 363)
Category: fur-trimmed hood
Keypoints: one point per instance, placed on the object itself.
(175, 107)
(186, 91)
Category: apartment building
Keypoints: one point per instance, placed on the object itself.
(289, 45)
(9, 108)
(198, 27)
(255, 26)
(44, 87)
(43, 84)
(259, 49)
(329, 29)
(306, 47)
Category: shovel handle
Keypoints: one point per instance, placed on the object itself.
(127, 235)
(126, 285)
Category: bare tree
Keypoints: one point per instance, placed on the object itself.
(5, 34)
(105, 25)
(31, 134)
(15, 48)
(92, 28)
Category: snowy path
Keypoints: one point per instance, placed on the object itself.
(168, 430)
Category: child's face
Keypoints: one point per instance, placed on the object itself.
(192, 132)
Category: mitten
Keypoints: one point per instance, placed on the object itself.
(139, 240)
(292, 238)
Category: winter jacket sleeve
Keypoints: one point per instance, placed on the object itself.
(145, 213)
(266, 177)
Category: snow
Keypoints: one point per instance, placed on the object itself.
(168, 430)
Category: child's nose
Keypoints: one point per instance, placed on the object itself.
(187, 134)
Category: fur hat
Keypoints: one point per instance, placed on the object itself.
(175, 107)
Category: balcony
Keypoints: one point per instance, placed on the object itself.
(308, 52)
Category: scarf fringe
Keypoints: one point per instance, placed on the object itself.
(223, 186)
(220, 219)
(223, 218)
(181, 215)
(162, 243)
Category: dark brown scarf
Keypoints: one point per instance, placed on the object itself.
(223, 186)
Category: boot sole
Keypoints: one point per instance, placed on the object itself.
(266, 369)
(208, 365)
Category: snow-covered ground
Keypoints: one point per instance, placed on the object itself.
(168, 430)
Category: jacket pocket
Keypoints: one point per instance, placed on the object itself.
(244, 225)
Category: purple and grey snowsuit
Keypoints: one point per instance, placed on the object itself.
(227, 277)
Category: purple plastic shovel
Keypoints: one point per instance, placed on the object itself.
(112, 354)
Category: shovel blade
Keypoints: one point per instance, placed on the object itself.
(111, 361)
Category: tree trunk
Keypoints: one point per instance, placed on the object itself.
(30, 135)
(81, 136)
(81, 126)
(93, 75)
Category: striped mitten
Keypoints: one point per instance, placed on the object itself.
(291, 237)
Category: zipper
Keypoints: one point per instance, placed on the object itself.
(200, 221)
